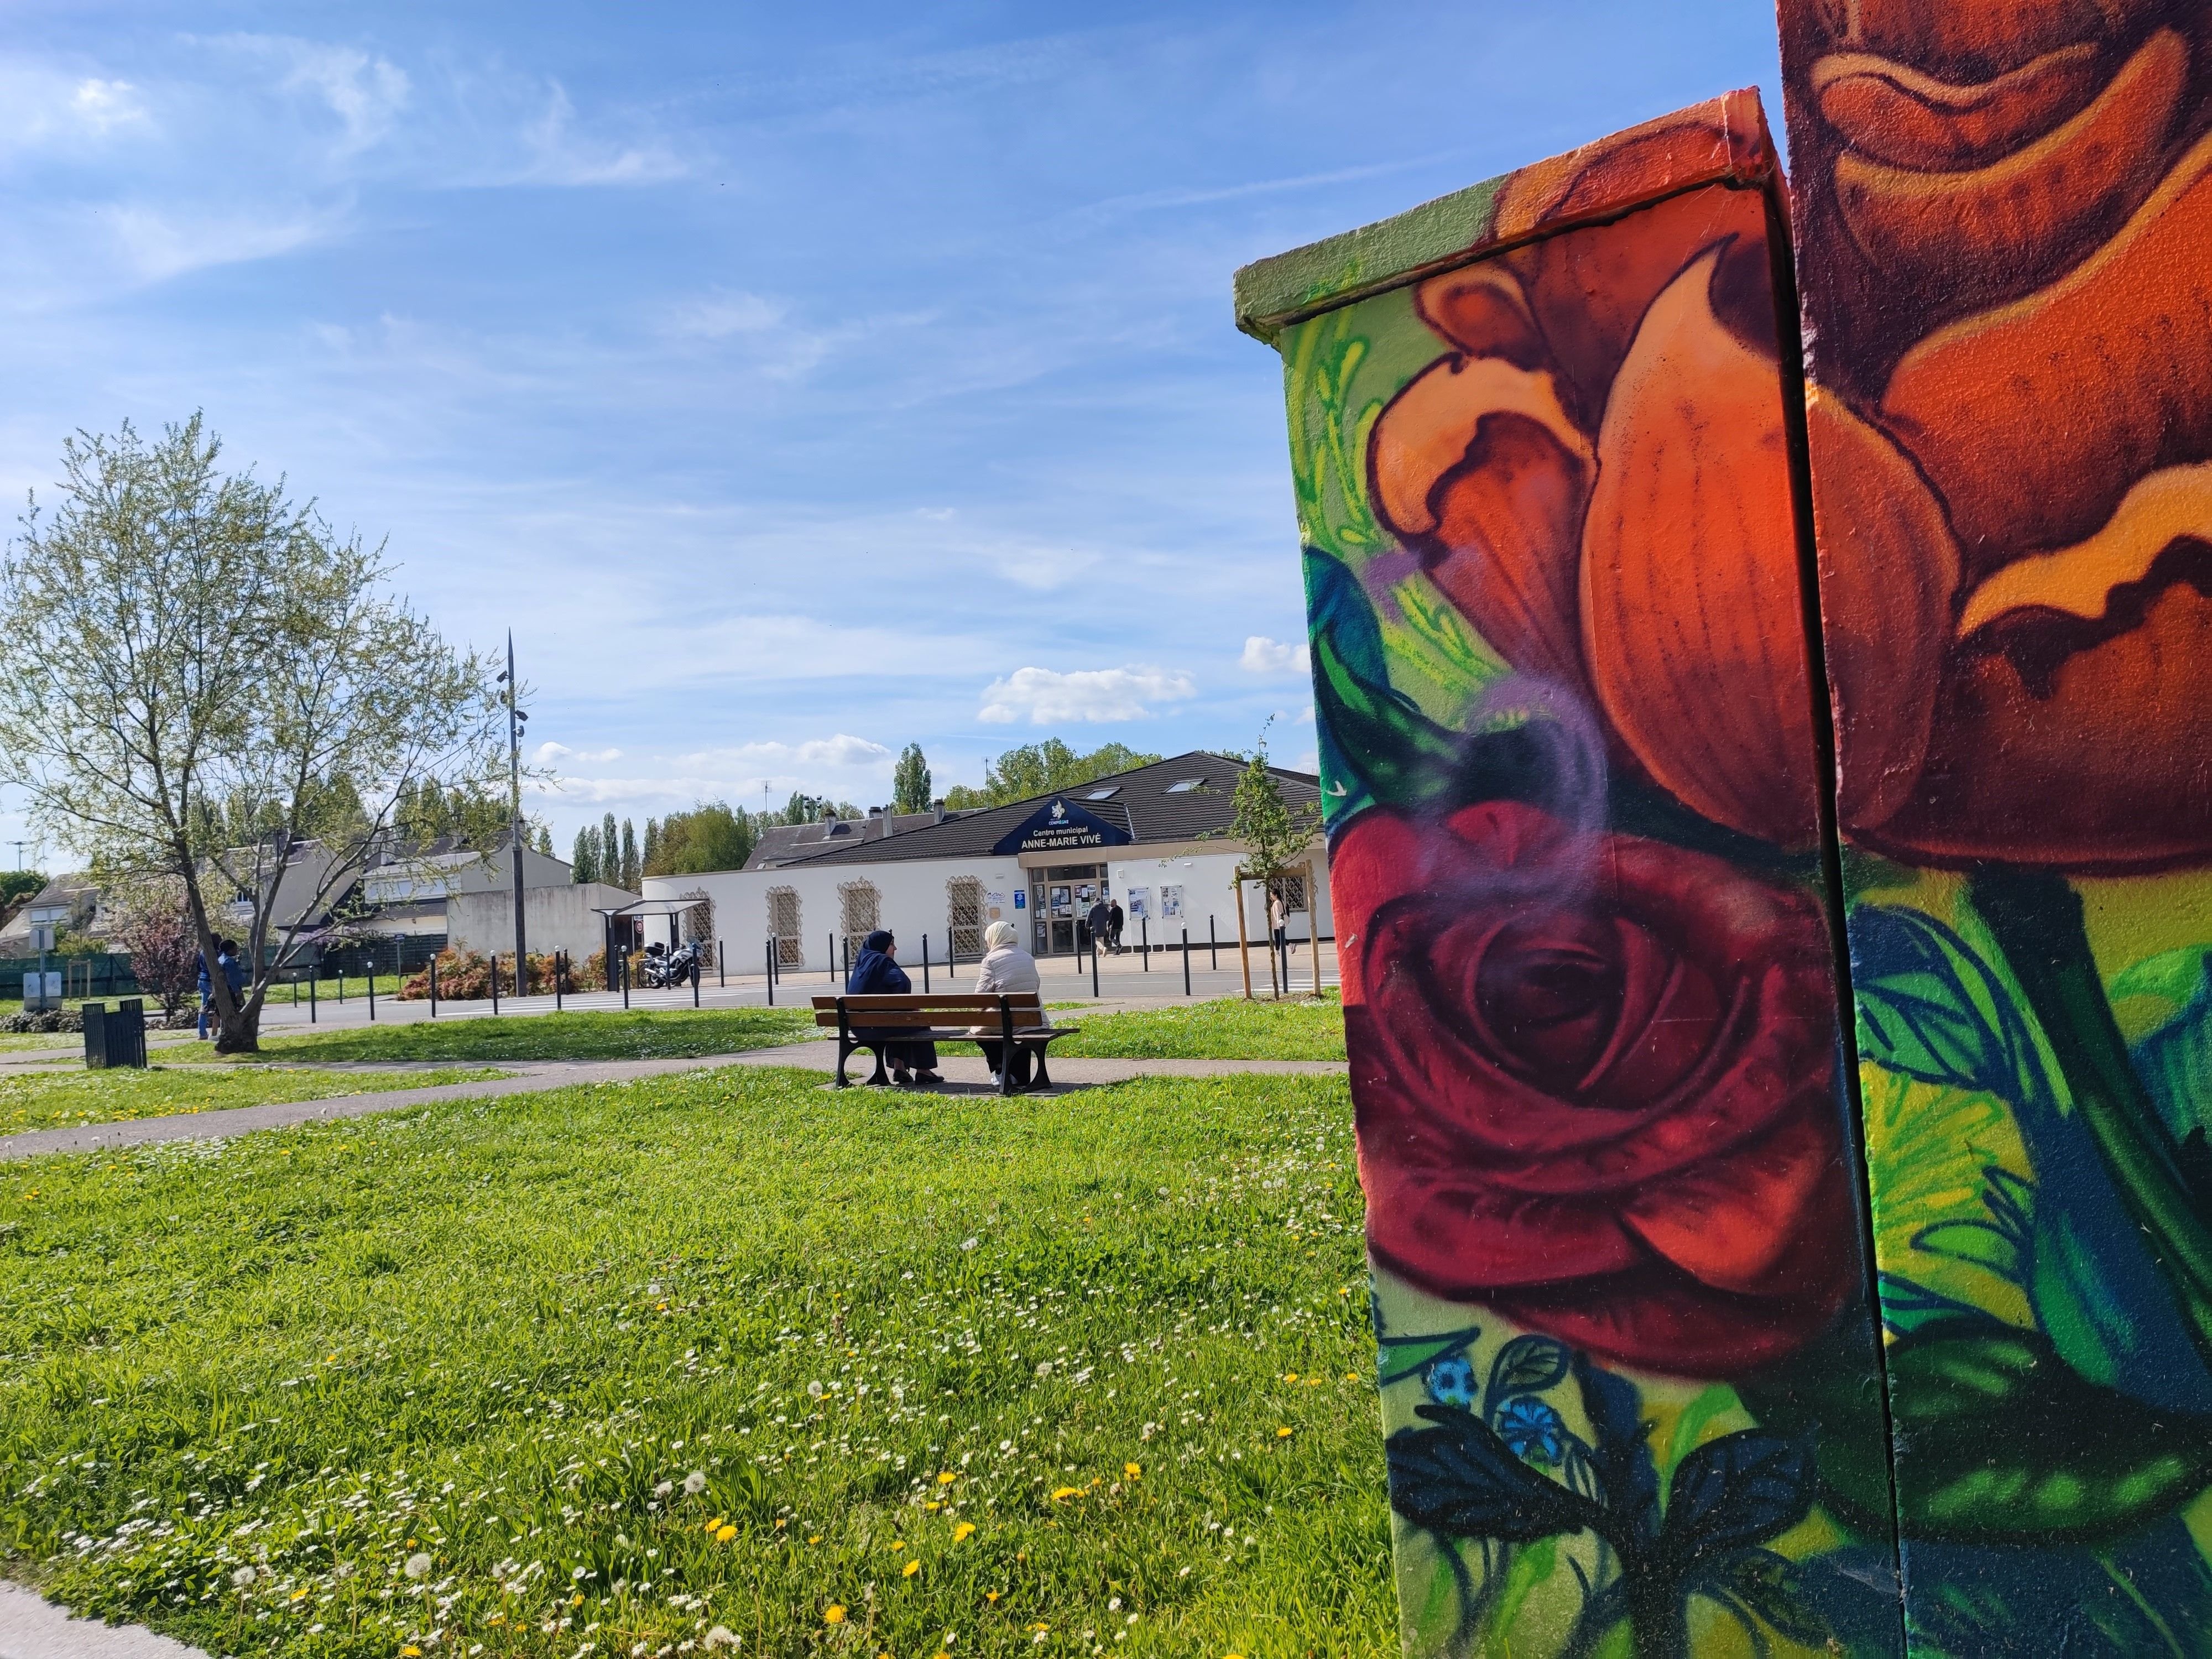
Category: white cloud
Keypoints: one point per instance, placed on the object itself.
(102, 106)
(1043, 694)
(44, 107)
(843, 749)
(549, 754)
(1265, 656)
(158, 244)
(560, 155)
(366, 93)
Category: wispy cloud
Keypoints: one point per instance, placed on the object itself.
(552, 754)
(1042, 695)
(157, 243)
(560, 152)
(364, 91)
(45, 107)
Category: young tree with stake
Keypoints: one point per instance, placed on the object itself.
(202, 681)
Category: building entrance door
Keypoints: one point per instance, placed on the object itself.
(1060, 897)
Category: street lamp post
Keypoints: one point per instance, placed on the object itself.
(515, 719)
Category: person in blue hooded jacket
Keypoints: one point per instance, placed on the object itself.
(876, 972)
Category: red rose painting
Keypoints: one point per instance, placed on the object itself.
(1595, 1078)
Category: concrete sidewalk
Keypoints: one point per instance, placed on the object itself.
(964, 1074)
(32, 1627)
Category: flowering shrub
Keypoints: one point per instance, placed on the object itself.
(465, 976)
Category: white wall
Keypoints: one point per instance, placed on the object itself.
(913, 902)
(554, 919)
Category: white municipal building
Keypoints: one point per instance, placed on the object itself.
(1154, 838)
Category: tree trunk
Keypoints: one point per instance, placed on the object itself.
(239, 1033)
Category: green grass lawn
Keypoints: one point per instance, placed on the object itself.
(51, 1100)
(632, 1034)
(1230, 1029)
(839, 1375)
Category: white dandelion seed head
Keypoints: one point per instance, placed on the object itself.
(696, 1482)
(242, 1577)
(1044, 1368)
(721, 1636)
(418, 1565)
(664, 1489)
(814, 1391)
(969, 1243)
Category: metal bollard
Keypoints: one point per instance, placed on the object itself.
(1144, 940)
(694, 982)
(832, 958)
(494, 982)
(372, 993)
(311, 998)
(1094, 969)
(1186, 962)
(1212, 944)
(434, 986)
(560, 978)
(341, 987)
(769, 952)
(721, 969)
(925, 964)
(625, 978)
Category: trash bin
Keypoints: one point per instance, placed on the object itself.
(114, 1039)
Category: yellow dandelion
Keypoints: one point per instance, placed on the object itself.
(946, 1477)
(834, 1613)
(1282, 1434)
(1061, 1494)
(410, 1651)
(1290, 1376)
(723, 1534)
(932, 1507)
(713, 1527)
(816, 1538)
(1134, 1471)
(991, 1595)
(577, 1600)
(961, 1529)
(898, 1544)
(910, 1569)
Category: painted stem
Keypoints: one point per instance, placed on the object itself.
(2037, 920)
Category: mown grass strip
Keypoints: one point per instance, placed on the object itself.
(839, 1375)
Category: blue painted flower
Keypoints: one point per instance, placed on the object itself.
(1451, 1383)
(1530, 1429)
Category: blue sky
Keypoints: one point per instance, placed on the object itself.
(795, 380)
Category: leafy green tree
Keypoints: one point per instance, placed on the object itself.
(649, 853)
(19, 884)
(202, 681)
(545, 839)
(710, 837)
(1275, 836)
(1043, 768)
(584, 864)
(632, 868)
(911, 781)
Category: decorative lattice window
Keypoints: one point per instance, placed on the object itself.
(964, 906)
(783, 926)
(861, 909)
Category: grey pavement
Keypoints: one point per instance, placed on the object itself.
(32, 1627)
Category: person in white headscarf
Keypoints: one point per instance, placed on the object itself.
(1005, 968)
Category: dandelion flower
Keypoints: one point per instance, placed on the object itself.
(1044, 1368)
(814, 1391)
(721, 1636)
(418, 1565)
(1061, 1493)
(410, 1651)
(816, 1538)
(834, 1613)
(1134, 1471)
(696, 1482)
(961, 1529)
(664, 1489)
(1282, 1434)
(898, 1544)
(724, 1533)
(910, 1568)
(969, 1243)
(946, 1477)
(1290, 1376)
(242, 1577)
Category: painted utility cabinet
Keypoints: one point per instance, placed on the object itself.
(1546, 438)
(2004, 247)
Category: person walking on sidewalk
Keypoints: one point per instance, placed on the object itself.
(1115, 922)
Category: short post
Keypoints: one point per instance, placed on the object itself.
(310, 994)
(769, 969)
(625, 978)
(1186, 962)
(848, 961)
(925, 964)
(342, 986)
(951, 953)
(1212, 946)
(433, 985)
(494, 982)
(1145, 941)
(560, 978)
(372, 993)
(1243, 944)
(832, 958)
(1094, 969)
(694, 982)
(721, 969)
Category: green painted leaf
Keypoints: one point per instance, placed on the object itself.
(1398, 1358)
(2173, 976)
(1998, 1441)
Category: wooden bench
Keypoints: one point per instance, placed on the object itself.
(1016, 1019)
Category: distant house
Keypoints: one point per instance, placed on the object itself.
(1155, 838)
(71, 902)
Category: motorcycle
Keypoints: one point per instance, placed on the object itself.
(664, 969)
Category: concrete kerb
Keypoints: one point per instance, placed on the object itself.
(32, 1627)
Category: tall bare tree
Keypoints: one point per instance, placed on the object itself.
(202, 679)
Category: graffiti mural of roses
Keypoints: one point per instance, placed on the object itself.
(1597, 1085)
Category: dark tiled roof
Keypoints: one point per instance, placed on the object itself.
(788, 843)
(1143, 804)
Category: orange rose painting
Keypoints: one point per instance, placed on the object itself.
(1571, 748)
(2003, 221)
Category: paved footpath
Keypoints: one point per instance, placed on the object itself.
(964, 1074)
(32, 1628)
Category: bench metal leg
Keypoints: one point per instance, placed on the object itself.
(878, 1078)
(1040, 1078)
(844, 1052)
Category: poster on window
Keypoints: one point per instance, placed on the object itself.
(1170, 903)
(994, 905)
(1140, 901)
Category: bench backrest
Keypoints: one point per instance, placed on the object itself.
(920, 1011)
